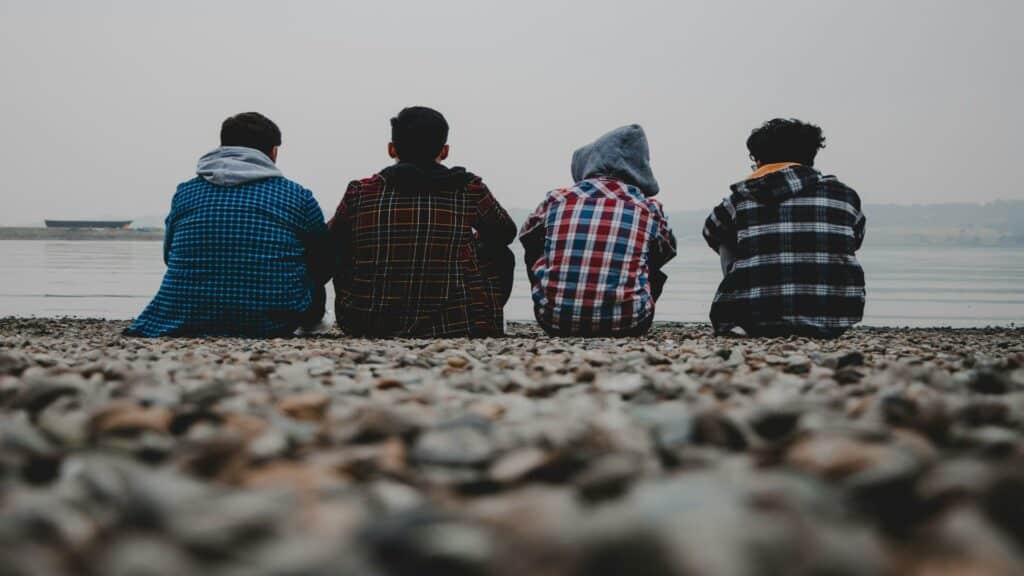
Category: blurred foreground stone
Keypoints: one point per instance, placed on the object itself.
(884, 452)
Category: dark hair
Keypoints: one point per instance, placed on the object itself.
(251, 130)
(785, 140)
(419, 134)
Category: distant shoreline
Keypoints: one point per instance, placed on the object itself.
(71, 234)
(878, 239)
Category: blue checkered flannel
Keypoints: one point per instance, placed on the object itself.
(236, 261)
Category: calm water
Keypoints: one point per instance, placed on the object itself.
(917, 286)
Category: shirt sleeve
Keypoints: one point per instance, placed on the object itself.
(316, 239)
(493, 223)
(859, 230)
(533, 236)
(663, 244)
(720, 227)
(340, 226)
(169, 230)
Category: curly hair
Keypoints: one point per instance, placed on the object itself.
(785, 140)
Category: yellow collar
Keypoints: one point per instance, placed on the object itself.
(769, 168)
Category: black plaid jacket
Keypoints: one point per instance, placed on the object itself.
(793, 233)
(409, 243)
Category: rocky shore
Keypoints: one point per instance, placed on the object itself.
(885, 452)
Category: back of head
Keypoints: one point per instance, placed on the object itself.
(250, 130)
(419, 134)
(622, 154)
(785, 140)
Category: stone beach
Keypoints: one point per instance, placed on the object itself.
(888, 451)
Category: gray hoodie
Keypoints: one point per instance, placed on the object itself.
(622, 154)
(236, 165)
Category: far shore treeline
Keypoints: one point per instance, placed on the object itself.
(999, 223)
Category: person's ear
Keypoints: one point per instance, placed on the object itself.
(273, 154)
(392, 151)
(444, 154)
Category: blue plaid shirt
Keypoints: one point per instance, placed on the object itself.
(236, 260)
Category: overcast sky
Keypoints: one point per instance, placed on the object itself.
(105, 105)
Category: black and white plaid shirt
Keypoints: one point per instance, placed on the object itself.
(793, 233)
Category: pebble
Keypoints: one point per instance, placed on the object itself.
(885, 451)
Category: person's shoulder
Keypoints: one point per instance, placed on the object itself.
(191, 184)
(288, 188)
(370, 182)
(475, 181)
(836, 188)
(193, 189)
(654, 204)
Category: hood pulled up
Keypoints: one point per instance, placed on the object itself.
(622, 154)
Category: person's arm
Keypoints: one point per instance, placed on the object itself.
(169, 231)
(493, 224)
(727, 258)
(340, 226)
(533, 236)
(662, 249)
(858, 231)
(720, 233)
(317, 241)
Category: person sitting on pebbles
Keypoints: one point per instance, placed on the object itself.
(246, 249)
(787, 237)
(422, 248)
(595, 250)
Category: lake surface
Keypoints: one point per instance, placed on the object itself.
(917, 286)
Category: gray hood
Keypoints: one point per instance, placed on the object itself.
(235, 165)
(622, 154)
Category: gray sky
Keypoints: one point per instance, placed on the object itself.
(106, 105)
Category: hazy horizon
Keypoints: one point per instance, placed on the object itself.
(108, 104)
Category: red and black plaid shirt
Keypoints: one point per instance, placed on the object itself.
(408, 241)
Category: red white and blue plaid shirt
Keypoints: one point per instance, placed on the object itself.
(590, 251)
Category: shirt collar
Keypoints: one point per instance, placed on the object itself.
(769, 168)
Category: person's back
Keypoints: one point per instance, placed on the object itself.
(594, 250)
(239, 246)
(423, 247)
(788, 236)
